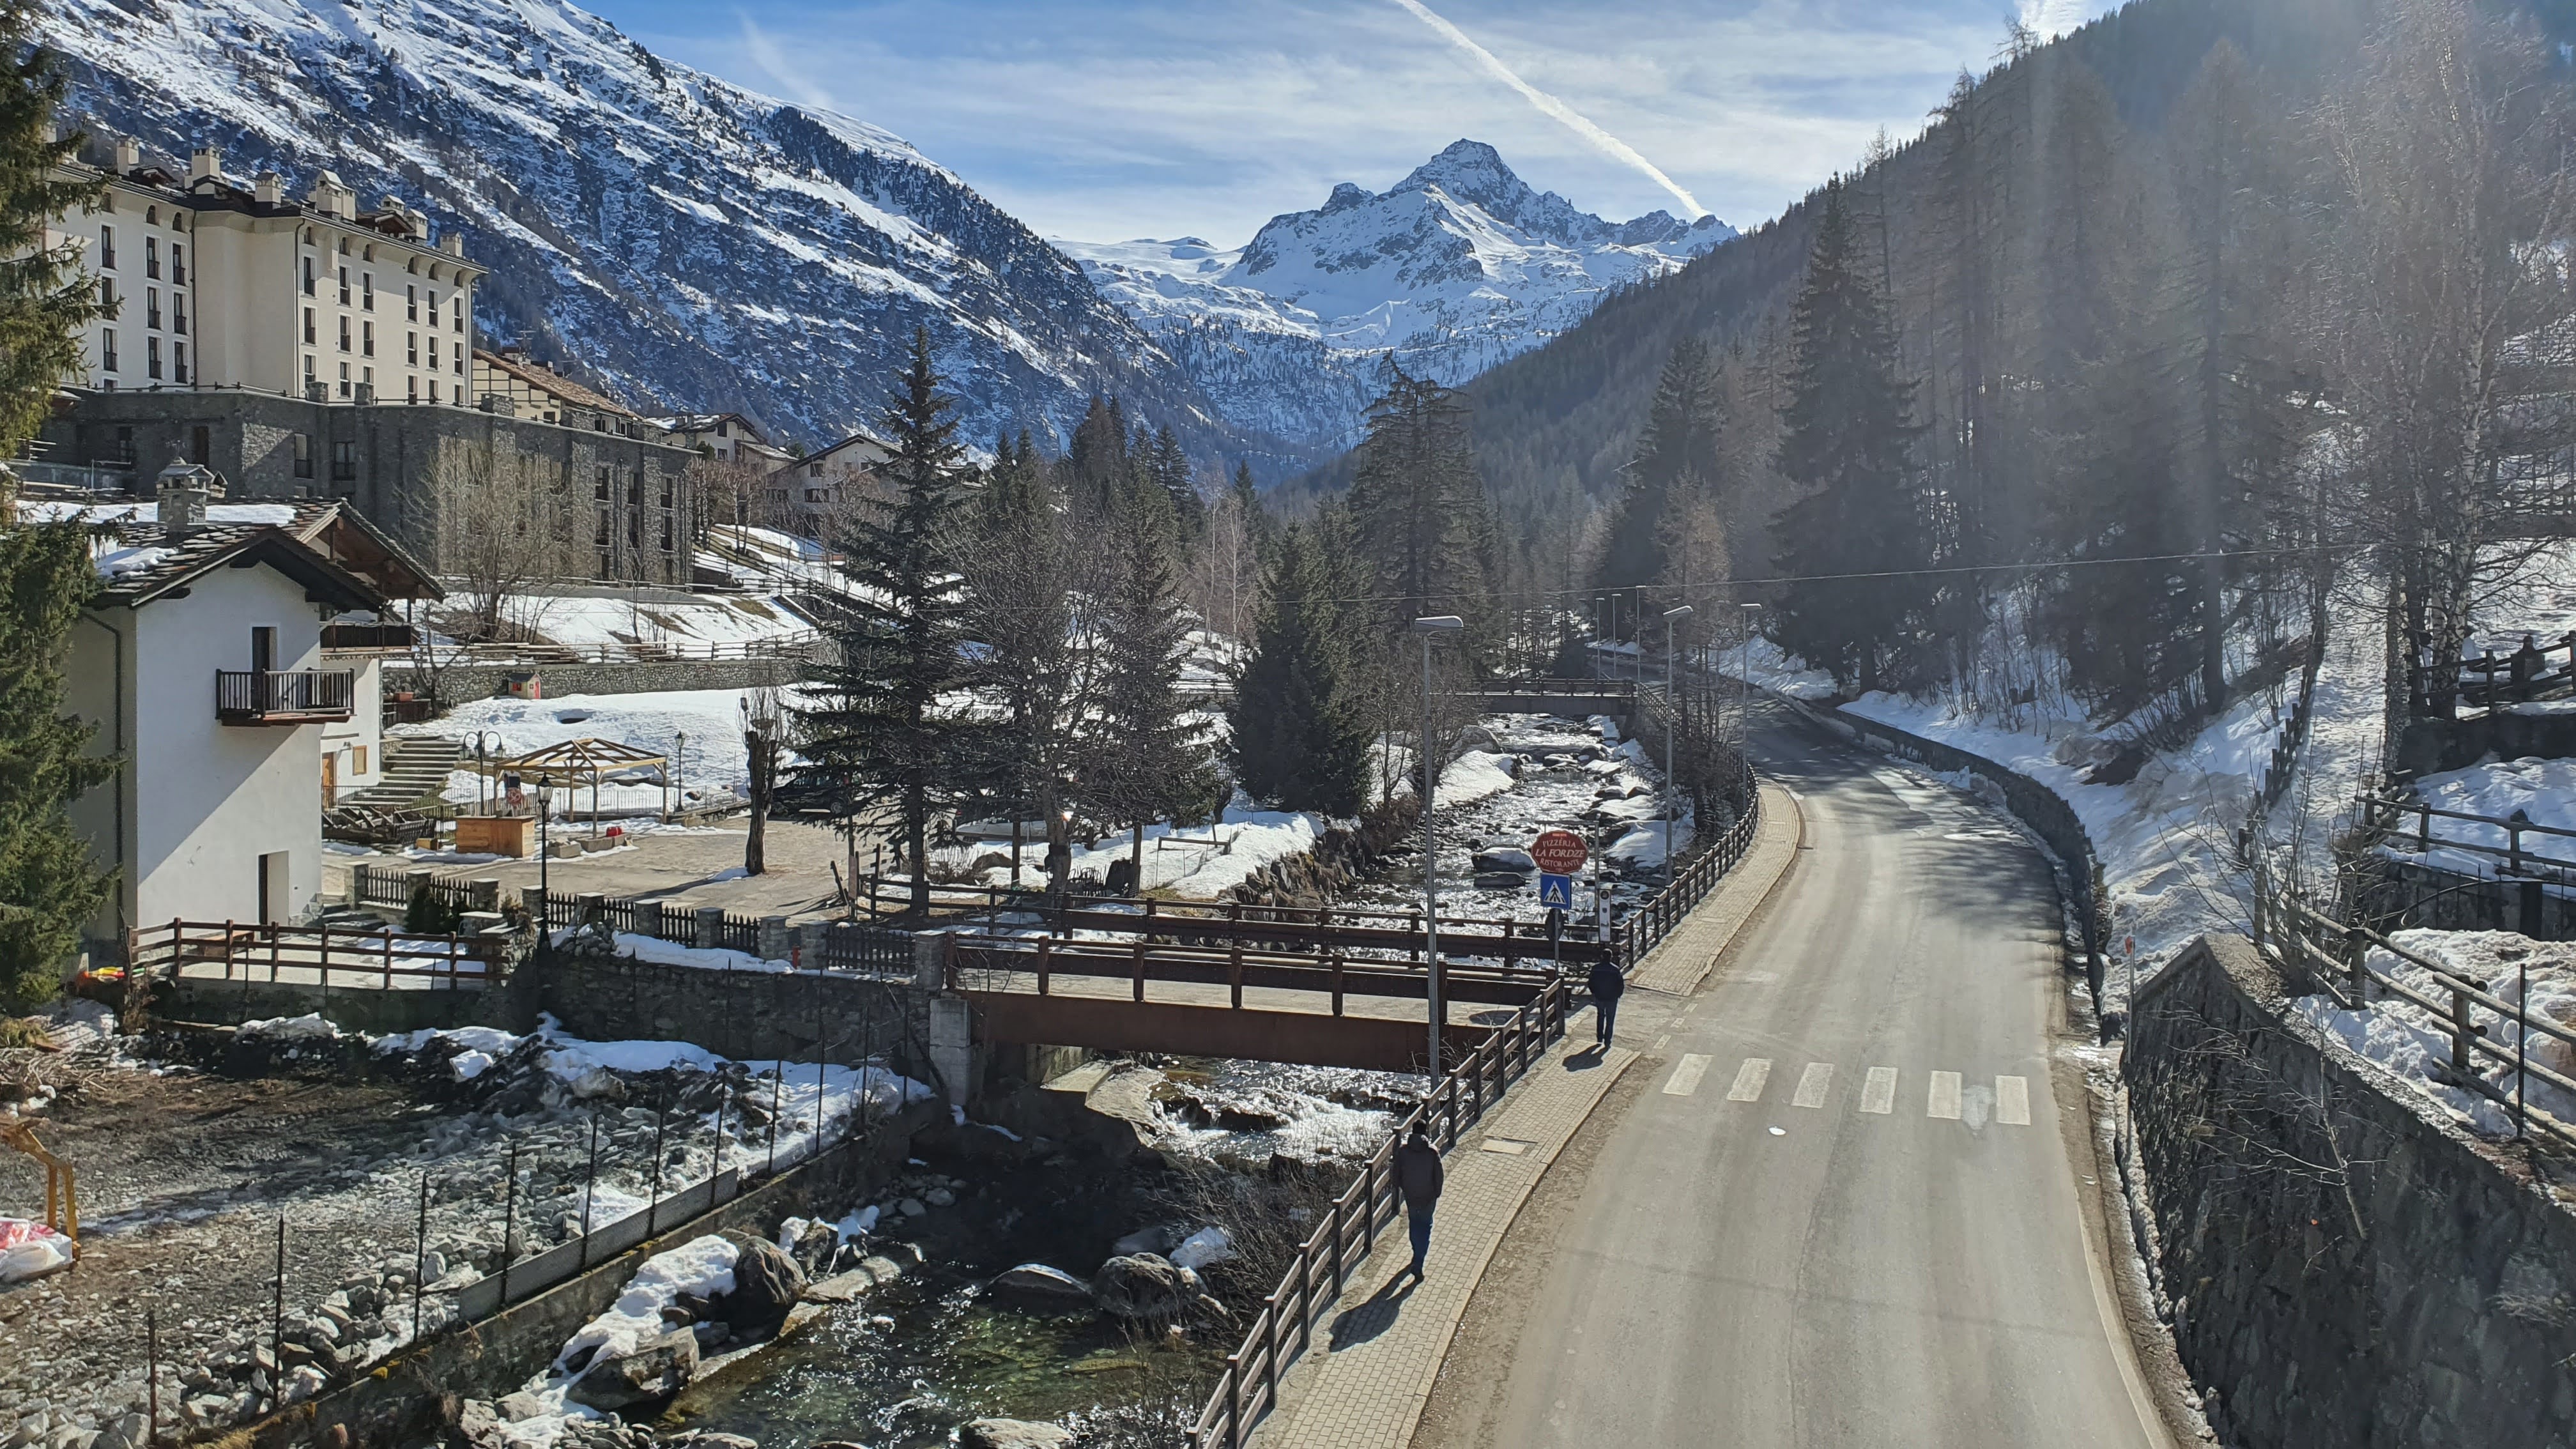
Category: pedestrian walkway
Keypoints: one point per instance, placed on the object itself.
(1365, 1383)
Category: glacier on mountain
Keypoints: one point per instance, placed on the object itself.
(1455, 268)
(689, 244)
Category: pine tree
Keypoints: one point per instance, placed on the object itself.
(1854, 543)
(49, 890)
(1170, 469)
(1096, 465)
(1677, 455)
(1149, 757)
(1297, 739)
(1418, 503)
(45, 295)
(878, 738)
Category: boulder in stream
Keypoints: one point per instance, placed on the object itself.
(648, 1373)
(1505, 859)
(766, 1283)
(1012, 1434)
(1037, 1280)
(1144, 1286)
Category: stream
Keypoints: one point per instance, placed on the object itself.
(903, 1368)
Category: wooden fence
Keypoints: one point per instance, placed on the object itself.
(1285, 1327)
(385, 958)
(2391, 815)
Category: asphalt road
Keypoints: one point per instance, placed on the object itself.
(1845, 1210)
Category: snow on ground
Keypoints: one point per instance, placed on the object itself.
(2416, 1044)
(1193, 862)
(710, 756)
(1766, 665)
(702, 1266)
(2539, 601)
(647, 619)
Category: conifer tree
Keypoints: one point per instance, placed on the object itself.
(1418, 504)
(1677, 456)
(1854, 541)
(1149, 757)
(878, 738)
(1096, 465)
(49, 890)
(1298, 739)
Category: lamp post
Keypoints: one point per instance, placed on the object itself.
(1672, 719)
(545, 805)
(1428, 628)
(1744, 672)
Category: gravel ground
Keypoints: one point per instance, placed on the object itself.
(185, 1177)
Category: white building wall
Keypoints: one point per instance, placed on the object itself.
(211, 798)
(357, 748)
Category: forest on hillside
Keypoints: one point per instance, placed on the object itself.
(2190, 320)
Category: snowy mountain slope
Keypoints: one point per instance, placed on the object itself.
(1455, 268)
(693, 245)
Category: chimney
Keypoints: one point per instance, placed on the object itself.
(272, 189)
(47, 133)
(326, 193)
(453, 243)
(129, 154)
(206, 163)
(182, 491)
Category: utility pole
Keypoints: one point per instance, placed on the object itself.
(1744, 672)
(1427, 628)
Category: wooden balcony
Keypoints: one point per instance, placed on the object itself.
(284, 697)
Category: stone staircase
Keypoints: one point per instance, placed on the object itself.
(413, 768)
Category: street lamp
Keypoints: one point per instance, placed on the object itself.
(1429, 628)
(1672, 717)
(1744, 673)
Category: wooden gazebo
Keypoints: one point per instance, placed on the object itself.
(574, 761)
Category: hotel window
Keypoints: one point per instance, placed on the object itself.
(344, 286)
(599, 485)
(411, 304)
(411, 389)
(344, 334)
(107, 249)
(308, 276)
(152, 256)
(666, 533)
(433, 306)
(344, 462)
(303, 455)
(308, 372)
(635, 490)
(308, 326)
(152, 308)
(344, 251)
(106, 292)
(367, 337)
(107, 349)
(433, 389)
(179, 362)
(459, 311)
(666, 490)
(178, 311)
(599, 529)
(151, 216)
(152, 357)
(344, 379)
(178, 265)
(367, 291)
(433, 354)
(367, 380)
(458, 366)
(411, 349)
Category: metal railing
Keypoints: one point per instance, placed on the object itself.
(2334, 957)
(2389, 815)
(1248, 1386)
(1637, 933)
(277, 695)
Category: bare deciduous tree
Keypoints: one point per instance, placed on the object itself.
(498, 530)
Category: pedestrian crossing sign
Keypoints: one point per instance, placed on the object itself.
(1556, 892)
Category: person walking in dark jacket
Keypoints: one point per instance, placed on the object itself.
(1606, 984)
(1418, 1177)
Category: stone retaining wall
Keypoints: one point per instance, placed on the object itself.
(2412, 895)
(461, 683)
(2338, 1268)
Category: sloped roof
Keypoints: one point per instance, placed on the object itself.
(547, 380)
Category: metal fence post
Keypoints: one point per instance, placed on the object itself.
(420, 1257)
(277, 1326)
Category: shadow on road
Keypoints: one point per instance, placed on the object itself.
(1358, 1325)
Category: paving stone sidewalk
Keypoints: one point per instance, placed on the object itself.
(1364, 1384)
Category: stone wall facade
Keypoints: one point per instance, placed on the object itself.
(628, 503)
(2338, 1268)
(2409, 895)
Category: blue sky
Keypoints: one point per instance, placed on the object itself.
(1106, 121)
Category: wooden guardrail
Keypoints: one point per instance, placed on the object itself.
(1248, 1386)
(253, 951)
(2389, 814)
(2334, 957)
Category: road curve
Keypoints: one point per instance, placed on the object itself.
(1845, 1211)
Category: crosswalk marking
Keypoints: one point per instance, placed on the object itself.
(1878, 1093)
(2012, 1101)
(1945, 1096)
(1813, 1084)
(1686, 1076)
(1749, 1080)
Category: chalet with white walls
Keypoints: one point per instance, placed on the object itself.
(202, 667)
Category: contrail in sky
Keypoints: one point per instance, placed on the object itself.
(1549, 105)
